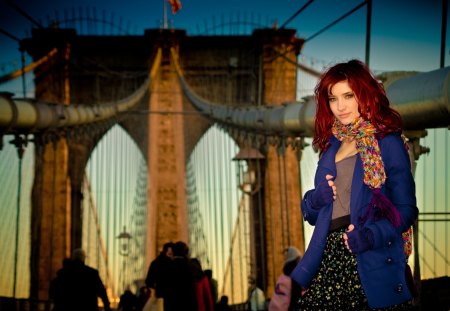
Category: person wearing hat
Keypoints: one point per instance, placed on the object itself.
(286, 292)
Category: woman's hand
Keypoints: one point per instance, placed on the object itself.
(359, 240)
(325, 193)
(350, 228)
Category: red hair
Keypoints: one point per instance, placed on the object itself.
(370, 94)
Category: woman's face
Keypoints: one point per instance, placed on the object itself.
(343, 102)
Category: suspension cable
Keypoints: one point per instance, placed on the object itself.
(9, 35)
(23, 13)
(337, 21)
(296, 13)
(101, 247)
(28, 68)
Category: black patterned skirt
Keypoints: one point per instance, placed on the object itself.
(336, 285)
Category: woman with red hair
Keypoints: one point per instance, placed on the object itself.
(363, 200)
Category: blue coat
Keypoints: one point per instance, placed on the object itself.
(381, 269)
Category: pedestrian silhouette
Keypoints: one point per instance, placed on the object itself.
(257, 299)
(180, 294)
(223, 304)
(157, 271)
(128, 301)
(202, 287)
(213, 285)
(56, 291)
(78, 286)
(142, 298)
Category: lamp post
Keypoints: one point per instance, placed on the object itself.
(251, 179)
(251, 185)
(124, 249)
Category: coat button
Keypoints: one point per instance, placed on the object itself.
(399, 288)
(389, 260)
(389, 243)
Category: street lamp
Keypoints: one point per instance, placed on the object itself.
(124, 249)
(251, 185)
(251, 181)
(124, 239)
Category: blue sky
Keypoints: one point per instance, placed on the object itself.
(405, 34)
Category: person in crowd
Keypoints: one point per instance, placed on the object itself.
(257, 298)
(222, 305)
(286, 292)
(363, 200)
(128, 301)
(57, 285)
(156, 275)
(213, 284)
(142, 297)
(78, 286)
(202, 287)
(180, 294)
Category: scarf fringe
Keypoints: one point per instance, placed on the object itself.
(384, 208)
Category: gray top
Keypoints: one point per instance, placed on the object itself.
(343, 182)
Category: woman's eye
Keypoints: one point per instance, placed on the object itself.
(349, 96)
(331, 99)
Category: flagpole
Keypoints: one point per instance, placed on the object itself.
(165, 14)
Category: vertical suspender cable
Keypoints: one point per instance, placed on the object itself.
(221, 188)
(435, 235)
(229, 211)
(261, 222)
(88, 215)
(120, 210)
(20, 152)
(446, 200)
(206, 189)
(9, 203)
(116, 208)
(283, 237)
(99, 184)
(286, 194)
(119, 193)
(209, 207)
(214, 193)
(101, 191)
(52, 223)
(107, 173)
(102, 185)
(116, 211)
(272, 237)
(299, 152)
(417, 276)
(243, 226)
(202, 182)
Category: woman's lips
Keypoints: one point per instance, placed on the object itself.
(345, 115)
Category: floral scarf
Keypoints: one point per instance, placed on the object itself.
(363, 132)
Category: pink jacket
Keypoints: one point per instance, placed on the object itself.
(281, 297)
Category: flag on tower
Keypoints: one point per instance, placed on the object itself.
(175, 4)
